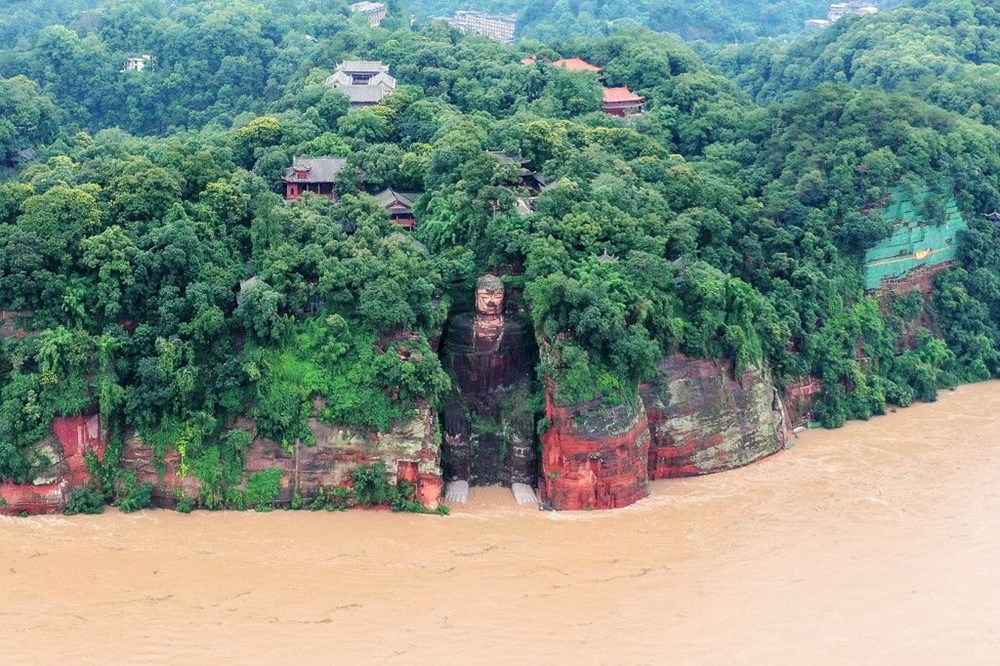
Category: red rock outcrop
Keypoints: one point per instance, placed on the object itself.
(799, 398)
(920, 279)
(12, 321)
(72, 437)
(168, 488)
(594, 456)
(409, 449)
(704, 420)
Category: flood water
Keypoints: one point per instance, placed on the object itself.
(875, 543)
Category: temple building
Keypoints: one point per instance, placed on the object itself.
(375, 11)
(399, 206)
(839, 10)
(365, 82)
(499, 28)
(622, 102)
(313, 174)
(576, 65)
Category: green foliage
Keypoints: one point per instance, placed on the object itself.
(336, 498)
(186, 504)
(85, 500)
(371, 485)
(171, 290)
(262, 489)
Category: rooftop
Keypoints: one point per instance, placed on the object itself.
(576, 65)
(472, 13)
(317, 169)
(373, 66)
(389, 196)
(621, 94)
(364, 93)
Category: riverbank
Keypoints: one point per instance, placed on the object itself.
(871, 543)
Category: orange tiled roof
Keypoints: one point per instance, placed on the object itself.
(576, 65)
(530, 60)
(622, 94)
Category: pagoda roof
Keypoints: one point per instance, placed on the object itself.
(621, 94)
(389, 196)
(576, 65)
(360, 66)
(317, 169)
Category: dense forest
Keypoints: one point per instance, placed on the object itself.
(710, 20)
(730, 220)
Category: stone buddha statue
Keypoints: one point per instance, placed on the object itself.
(490, 355)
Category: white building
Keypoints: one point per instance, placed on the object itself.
(499, 28)
(839, 10)
(375, 11)
(138, 64)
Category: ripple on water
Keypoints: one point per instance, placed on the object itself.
(874, 541)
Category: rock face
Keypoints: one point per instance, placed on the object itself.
(693, 418)
(594, 456)
(703, 420)
(799, 398)
(410, 451)
(72, 437)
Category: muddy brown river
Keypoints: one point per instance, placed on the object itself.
(876, 543)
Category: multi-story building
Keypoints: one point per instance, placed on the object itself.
(499, 28)
(365, 82)
(375, 11)
(622, 102)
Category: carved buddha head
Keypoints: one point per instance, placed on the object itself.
(489, 295)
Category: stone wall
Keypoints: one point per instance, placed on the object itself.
(72, 437)
(703, 419)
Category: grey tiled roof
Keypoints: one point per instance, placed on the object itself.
(373, 66)
(319, 169)
(388, 196)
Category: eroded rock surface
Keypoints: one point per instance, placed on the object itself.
(703, 419)
(410, 450)
(66, 469)
(594, 456)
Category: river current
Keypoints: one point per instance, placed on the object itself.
(875, 543)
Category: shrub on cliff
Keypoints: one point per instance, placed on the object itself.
(262, 489)
(85, 500)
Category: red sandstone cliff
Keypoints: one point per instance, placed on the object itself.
(703, 419)
(72, 437)
(694, 418)
(594, 456)
(410, 451)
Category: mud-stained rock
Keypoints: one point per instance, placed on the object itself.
(410, 451)
(594, 455)
(169, 484)
(15, 323)
(65, 450)
(703, 419)
(800, 394)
